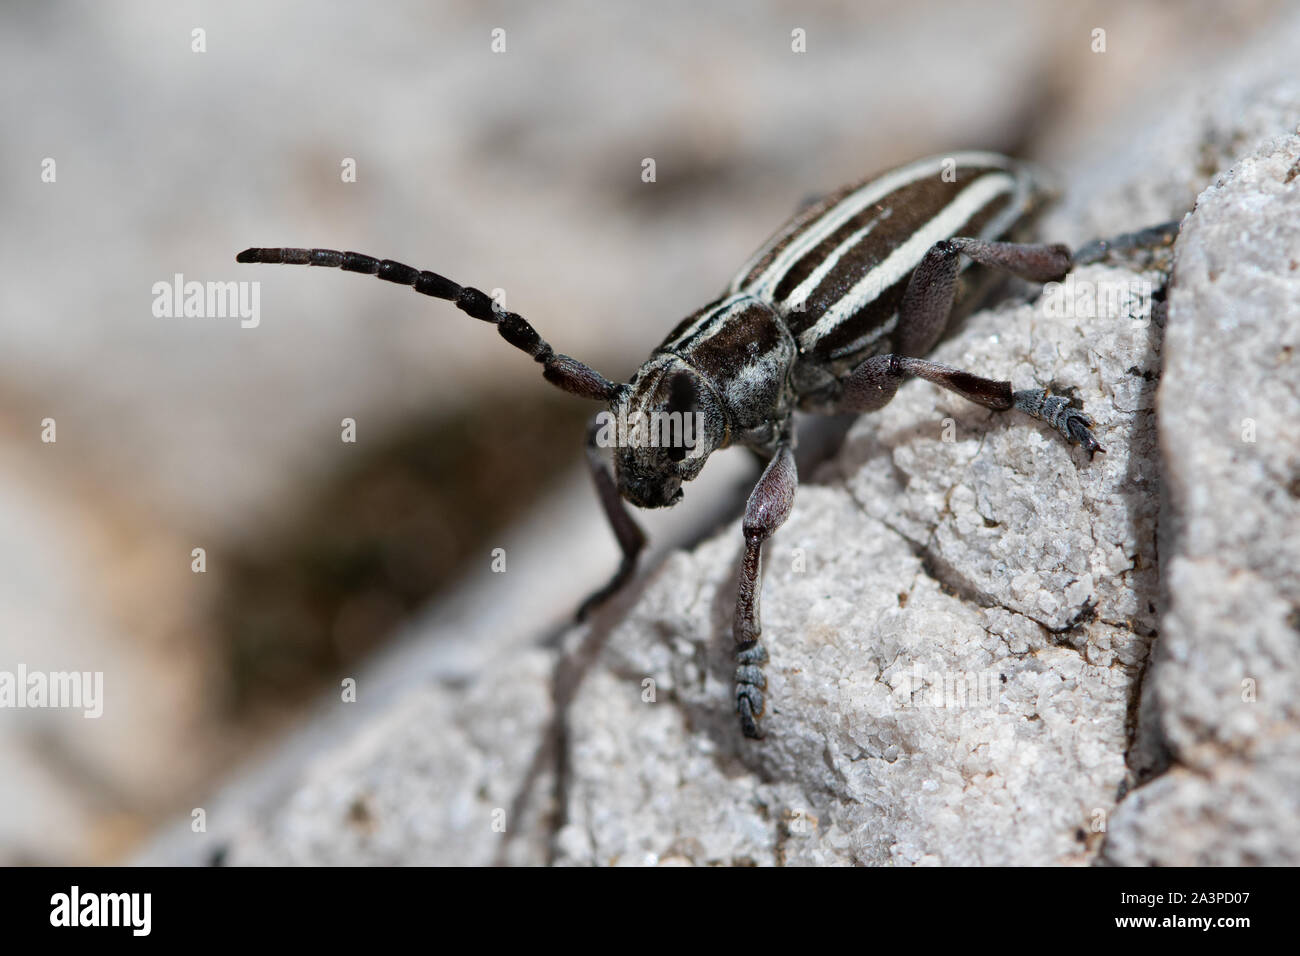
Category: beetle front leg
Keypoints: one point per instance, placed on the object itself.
(768, 507)
(631, 539)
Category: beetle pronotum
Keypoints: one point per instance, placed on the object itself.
(831, 314)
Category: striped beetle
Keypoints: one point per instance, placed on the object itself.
(831, 315)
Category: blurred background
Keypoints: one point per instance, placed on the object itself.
(517, 169)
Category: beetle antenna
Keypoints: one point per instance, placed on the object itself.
(560, 370)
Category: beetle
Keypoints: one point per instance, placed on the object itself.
(832, 314)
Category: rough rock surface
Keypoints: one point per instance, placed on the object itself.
(430, 780)
(1223, 697)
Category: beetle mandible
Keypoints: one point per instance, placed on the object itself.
(831, 315)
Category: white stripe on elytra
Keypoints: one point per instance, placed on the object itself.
(908, 256)
(727, 305)
(794, 225)
(848, 207)
(797, 299)
(862, 341)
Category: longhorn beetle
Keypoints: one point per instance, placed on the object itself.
(832, 314)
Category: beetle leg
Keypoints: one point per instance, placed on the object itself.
(927, 302)
(873, 383)
(1150, 248)
(631, 539)
(922, 317)
(768, 507)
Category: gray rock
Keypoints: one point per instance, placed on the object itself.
(431, 779)
(1225, 680)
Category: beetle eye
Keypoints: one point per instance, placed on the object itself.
(676, 453)
(681, 393)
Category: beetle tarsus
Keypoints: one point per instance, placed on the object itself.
(750, 683)
(1056, 411)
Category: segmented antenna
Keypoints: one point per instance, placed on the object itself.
(560, 370)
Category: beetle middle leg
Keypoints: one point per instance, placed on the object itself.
(873, 383)
(921, 320)
(927, 302)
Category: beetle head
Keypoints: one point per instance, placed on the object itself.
(662, 427)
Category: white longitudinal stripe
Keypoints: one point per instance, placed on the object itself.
(799, 297)
(794, 225)
(727, 305)
(908, 256)
(848, 207)
(866, 338)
